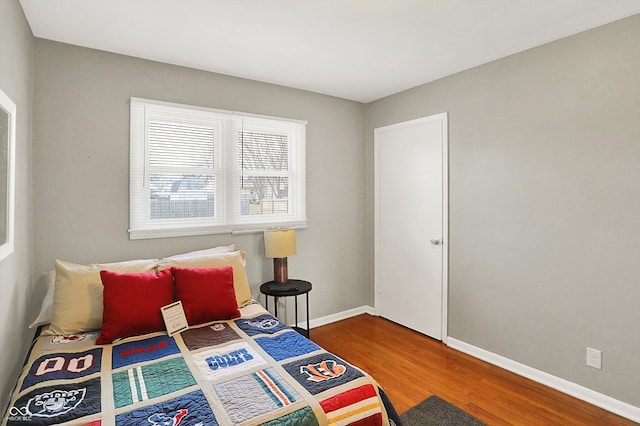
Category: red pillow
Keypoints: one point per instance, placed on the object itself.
(206, 294)
(132, 303)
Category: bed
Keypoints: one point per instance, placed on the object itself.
(235, 364)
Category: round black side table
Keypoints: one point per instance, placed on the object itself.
(290, 288)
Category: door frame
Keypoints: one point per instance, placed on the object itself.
(444, 119)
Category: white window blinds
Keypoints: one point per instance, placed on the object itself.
(197, 171)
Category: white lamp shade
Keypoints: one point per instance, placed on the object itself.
(279, 243)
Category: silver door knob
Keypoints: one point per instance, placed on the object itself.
(435, 241)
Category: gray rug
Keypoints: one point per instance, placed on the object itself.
(437, 411)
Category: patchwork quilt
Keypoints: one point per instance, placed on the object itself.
(252, 370)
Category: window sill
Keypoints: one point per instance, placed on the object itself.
(143, 234)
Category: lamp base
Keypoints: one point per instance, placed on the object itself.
(280, 270)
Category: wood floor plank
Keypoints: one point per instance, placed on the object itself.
(411, 367)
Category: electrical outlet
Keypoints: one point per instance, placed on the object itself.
(594, 358)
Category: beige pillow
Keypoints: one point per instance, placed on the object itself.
(235, 259)
(77, 297)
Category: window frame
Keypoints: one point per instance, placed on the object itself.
(228, 217)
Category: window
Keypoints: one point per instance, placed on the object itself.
(202, 171)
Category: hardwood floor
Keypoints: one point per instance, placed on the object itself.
(410, 367)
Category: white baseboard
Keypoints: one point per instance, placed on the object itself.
(317, 322)
(600, 400)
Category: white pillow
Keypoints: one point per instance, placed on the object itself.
(44, 317)
(205, 252)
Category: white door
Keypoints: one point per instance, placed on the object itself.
(411, 223)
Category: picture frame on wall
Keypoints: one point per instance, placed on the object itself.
(7, 174)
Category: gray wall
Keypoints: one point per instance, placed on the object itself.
(81, 168)
(17, 307)
(544, 212)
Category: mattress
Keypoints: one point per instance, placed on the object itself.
(247, 371)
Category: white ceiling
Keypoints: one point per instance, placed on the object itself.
(355, 49)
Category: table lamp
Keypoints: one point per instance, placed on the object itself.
(278, 244)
